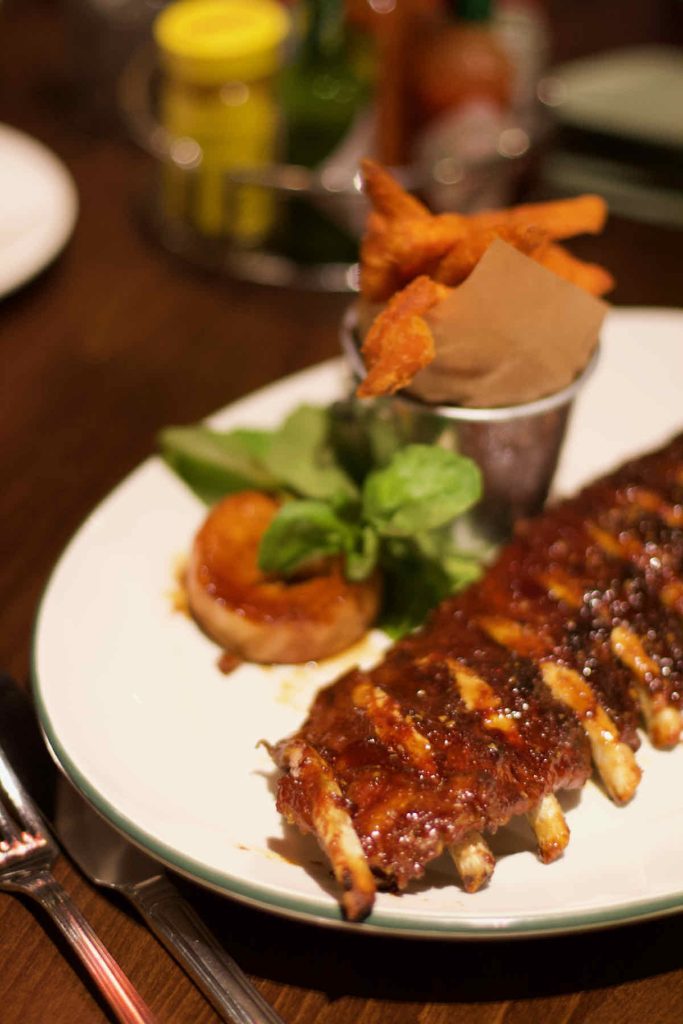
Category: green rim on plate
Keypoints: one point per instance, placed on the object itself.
(324, 910)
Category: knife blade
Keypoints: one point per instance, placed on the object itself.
(108, 859)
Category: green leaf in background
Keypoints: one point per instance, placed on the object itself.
(461, 567)
(419, 573)
(364, 436)
(301, 532)
(423, 487)
(412, 586)
(349, 439)
(302, 459)
(362, 559)
(214, 464)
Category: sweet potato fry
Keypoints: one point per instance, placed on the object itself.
(562, 218)
(376, 224)
(386, 195)
(418, 246)
(399, 343)
(589, 276)
(405, 243)
(379, 277)
(395, 252)
(406, 347)
(462, 258)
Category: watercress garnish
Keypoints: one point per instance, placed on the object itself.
(348, 492)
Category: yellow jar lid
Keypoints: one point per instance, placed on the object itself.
(212, 41)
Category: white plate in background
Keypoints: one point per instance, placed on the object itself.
(38, 207)
(634, 93)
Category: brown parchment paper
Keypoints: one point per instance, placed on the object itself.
(511, 333)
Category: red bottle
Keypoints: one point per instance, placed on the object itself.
(459, 59)
(462, 89)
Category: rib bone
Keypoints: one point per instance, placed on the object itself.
(615, 761)
(663, 721)
(332, 826)
(473, 860)
(550, 827)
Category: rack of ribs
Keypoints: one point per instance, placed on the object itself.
(511, 691)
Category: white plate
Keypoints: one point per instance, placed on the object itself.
(38, 207)
(163, 744)
(634, 93)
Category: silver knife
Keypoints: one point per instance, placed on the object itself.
(108, 859)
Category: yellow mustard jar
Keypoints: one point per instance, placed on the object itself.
(219, 59)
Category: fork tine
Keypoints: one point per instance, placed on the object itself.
(24, 809)
(25, 867)
(9, 834)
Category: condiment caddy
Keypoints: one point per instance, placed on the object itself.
(258, 115)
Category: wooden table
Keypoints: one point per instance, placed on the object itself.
(111, 343)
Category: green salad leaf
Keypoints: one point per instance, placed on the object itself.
(302, 459)
(420, 572)
(362, 559)
(305, 530)
(351, 489)
(214, 464)
(459, 567)
(300, 532)
(422, 487)
(413, 586)
(297, 457)
(364, 438)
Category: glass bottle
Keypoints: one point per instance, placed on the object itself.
(462, 91)
(523, 29)
(326, 84)
(459, 60)
(220, 59)
(325, 92)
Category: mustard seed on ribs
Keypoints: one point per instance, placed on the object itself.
(450, 734)
(501, 699)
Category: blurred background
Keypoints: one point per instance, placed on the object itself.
(245, 120)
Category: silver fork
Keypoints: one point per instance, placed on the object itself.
(27, 853)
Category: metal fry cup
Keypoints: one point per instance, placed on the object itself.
(516, 447)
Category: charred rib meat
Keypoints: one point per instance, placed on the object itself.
(505, 695)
